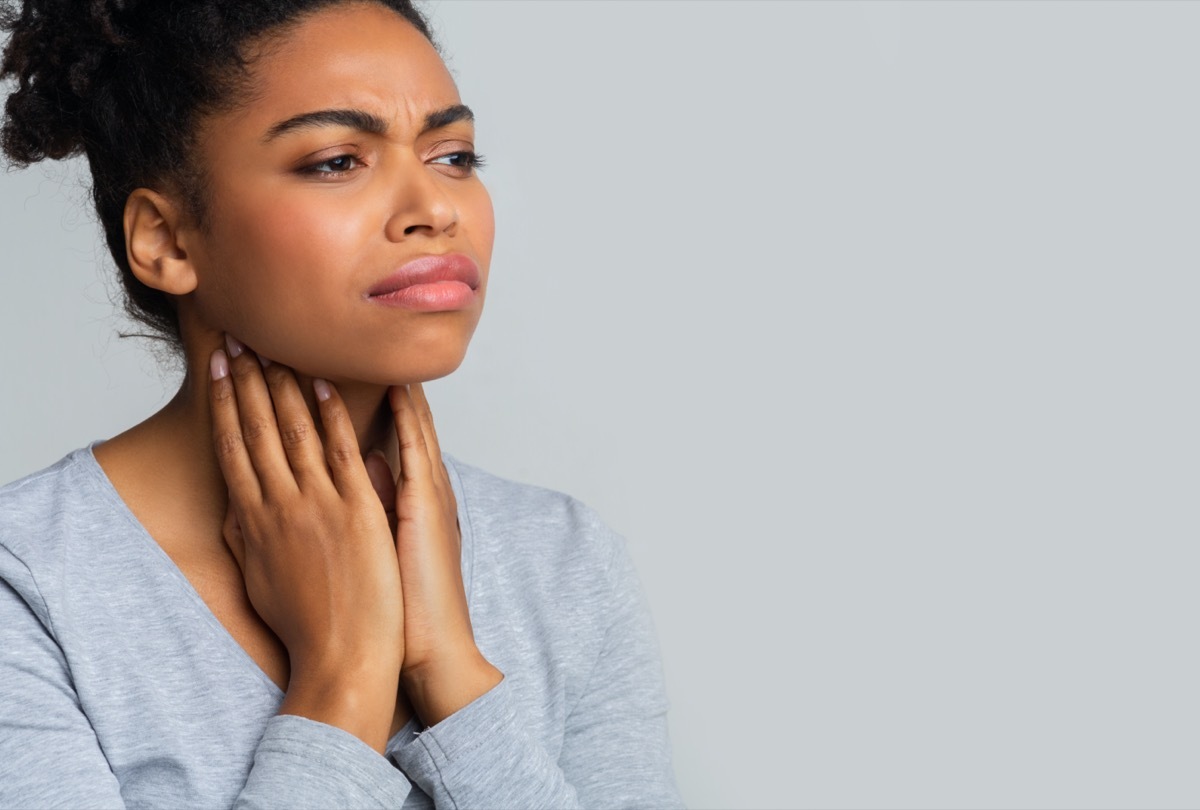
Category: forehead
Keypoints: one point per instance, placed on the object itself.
(350, 55)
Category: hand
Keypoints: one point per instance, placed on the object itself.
(443, 668)
(314, 545)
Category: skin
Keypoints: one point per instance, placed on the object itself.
(320, 530)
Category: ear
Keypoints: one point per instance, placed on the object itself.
(155, 243)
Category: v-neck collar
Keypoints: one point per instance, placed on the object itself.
(87, 461)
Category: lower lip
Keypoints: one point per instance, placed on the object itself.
(438, 296)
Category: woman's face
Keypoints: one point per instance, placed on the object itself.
(351, 159)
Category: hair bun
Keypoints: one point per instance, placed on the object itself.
(57, 52)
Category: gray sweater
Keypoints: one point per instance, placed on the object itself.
(119, 688)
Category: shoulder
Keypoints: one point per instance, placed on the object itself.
(532, 519)
(51, 518)
(34, 506)
(496, 500)
(37, 513)
(543, 539)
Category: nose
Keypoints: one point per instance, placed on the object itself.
(420, 204)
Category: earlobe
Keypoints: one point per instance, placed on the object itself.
(154, 243)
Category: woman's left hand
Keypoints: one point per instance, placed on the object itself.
(443, 669)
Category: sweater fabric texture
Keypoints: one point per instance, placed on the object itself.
(120, 689)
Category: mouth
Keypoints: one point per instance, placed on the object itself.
(439, 282)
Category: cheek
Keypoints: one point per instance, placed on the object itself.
(297, 240)
(271, 257)
(482, 226)
(284, 273)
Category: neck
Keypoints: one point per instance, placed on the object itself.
(189, 412)
(176, 443)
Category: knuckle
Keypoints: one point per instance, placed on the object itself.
(341, 454)
(295, 434)
(255, 427)
(281, 514)
(244, 367)
(222, 390)
(228, 444)
(412, 442)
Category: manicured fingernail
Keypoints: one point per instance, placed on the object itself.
(236, 347)
(321, 388)
(219, 365)
(264, 362)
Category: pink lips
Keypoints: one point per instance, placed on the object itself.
(436, 283)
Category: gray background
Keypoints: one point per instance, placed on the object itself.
(872, 326)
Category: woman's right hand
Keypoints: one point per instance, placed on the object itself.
(313, 542)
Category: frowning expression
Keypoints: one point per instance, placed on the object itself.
(348, 235)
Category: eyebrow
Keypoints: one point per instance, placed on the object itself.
(364, 121)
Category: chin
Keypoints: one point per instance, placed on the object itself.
(403, 368)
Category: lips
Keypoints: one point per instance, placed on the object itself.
(429, 270)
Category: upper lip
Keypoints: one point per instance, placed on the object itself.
(427, 270)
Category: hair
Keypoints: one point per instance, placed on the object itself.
(127, 83)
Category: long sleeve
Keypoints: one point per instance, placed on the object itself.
(120, 687)
(302, 763)
(616, 752)
(50, 755)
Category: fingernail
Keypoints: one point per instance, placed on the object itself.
(219, 365)
(321, 388)
(236, 347)
(264, 362)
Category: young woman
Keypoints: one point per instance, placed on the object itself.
(277, 591)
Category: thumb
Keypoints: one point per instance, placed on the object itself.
(382, 482)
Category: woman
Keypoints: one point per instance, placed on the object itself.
(277, 591)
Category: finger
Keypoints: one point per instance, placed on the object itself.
(414, 453)
(232, 532)
(341, 445)
(260, 432)
(297, 433)
(425, 417)
(240, 477)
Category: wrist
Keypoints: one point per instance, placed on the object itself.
(357, 698)
(438, 689)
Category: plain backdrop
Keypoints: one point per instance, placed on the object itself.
(871, 325)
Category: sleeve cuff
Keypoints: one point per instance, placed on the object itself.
(482, 756)
(457, 735)
(305, 763)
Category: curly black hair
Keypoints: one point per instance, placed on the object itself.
(126, 82)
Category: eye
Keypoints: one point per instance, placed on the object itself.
(465, 162)
(338, 165)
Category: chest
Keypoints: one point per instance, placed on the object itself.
(216, 578)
